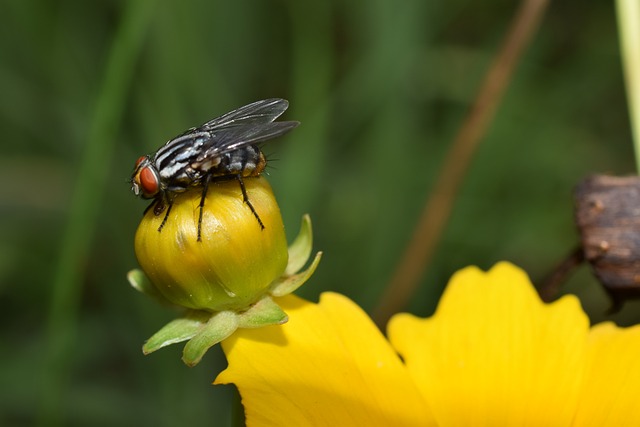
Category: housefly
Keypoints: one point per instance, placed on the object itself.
(224, 148)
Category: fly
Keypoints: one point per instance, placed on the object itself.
(221, 149)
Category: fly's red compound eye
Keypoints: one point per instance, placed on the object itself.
(140, 160)
(148, 181)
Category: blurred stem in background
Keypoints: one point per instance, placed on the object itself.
(88, 193)
(629, 29)
(439, 205)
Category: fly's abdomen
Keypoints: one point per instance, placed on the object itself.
(246, 161)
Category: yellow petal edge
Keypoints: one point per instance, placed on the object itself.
(494, 354)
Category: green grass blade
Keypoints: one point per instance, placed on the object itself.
(629, 29)
(85, 205)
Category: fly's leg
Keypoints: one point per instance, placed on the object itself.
(166, 215)
(151, 205)
(245, 198)
(204, 194)
(158, 207)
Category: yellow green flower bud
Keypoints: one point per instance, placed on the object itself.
(236, 261)
(230, 279)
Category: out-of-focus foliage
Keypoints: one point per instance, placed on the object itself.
(380, 88)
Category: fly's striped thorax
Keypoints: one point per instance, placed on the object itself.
(174, 159)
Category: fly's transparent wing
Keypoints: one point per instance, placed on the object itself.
(229, 139)
(256, 113)
(251, 124)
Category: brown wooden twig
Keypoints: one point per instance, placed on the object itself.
(549, 287)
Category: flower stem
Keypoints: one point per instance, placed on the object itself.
(629, 28)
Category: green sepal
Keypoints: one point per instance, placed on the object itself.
(224, 323)
(141, 283)
(288, 284)
(263, 313)
(220, 326)
(178, 330)
(300, 249)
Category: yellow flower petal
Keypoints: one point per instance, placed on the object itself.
(493, 354)
(610, 396)
(328, 366)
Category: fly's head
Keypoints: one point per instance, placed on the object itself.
(145, 181)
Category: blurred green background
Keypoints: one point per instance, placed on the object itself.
(380, 87)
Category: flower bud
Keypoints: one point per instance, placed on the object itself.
(236, 260)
